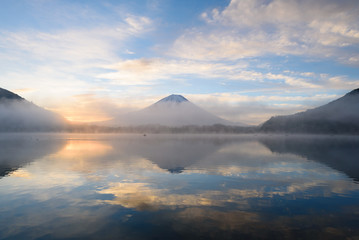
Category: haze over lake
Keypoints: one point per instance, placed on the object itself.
(88, 186)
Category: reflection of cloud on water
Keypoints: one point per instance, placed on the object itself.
(246, 148)
(143, 196)
(278, 171)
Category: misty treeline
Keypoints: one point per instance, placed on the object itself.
(313, 127)
(286, 127)
(298, 124)
(216, 128)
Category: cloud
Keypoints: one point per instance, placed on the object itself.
(138, 24)
(59, 63)
(150, 71)
(75, 48)
(247, 28)
(22, 173)
(88, 108)
(24, 90)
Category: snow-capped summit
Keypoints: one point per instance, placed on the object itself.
(173, 98)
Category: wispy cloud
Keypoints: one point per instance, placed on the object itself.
(149, 71)
(138, 24)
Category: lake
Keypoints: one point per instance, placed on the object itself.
(94, 186)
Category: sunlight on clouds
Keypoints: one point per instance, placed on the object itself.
(150, 71)
(84, 117)
(87, 108)
(65, 62)
(255, 28)
(21, 173)
(342, 82)
(24, 90)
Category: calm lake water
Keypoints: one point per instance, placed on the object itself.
(58, 186)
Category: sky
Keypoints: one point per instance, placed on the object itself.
(243, 60)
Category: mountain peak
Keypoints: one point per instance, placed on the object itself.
(173, 98)
(9, 95)
(354, 92)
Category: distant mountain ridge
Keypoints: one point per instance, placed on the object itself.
(338, 116)
(173, 110)
(18, 114)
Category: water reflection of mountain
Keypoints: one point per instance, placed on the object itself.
(19, 150)
(174, 154)
(340, 153)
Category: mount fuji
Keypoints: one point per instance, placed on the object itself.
(173, 110)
